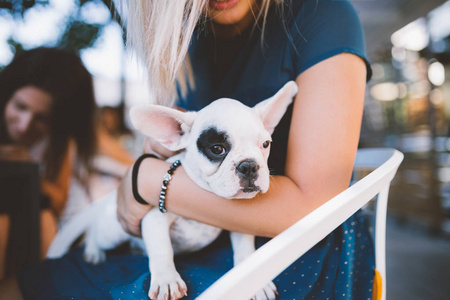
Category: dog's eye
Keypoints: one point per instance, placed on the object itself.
(266, 144)
(217, 150)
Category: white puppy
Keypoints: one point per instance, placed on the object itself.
(226, 146)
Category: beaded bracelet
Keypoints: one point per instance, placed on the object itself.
(167, 177)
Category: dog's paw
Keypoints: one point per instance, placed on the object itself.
(167, 286)
(94, 255)
(269, 292)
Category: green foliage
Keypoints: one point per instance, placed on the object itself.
(77, 33)
(14, 45)
(80, 35)
(18, 7)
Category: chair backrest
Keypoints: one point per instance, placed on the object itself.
(271, 259)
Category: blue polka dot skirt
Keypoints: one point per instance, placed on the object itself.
(341, 266)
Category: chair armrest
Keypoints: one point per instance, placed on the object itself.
(271, 259)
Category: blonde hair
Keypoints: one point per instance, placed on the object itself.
(160, 31)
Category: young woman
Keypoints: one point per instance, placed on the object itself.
(47, 115)
(247, 50)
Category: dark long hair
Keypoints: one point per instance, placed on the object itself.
(61, 74)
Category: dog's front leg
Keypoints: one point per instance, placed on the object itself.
(243, 246)
(165, 281)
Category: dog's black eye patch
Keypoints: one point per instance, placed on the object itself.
(214, 144)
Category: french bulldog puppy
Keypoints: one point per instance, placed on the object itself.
(225, 147)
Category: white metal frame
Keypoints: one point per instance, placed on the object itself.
(271, 259)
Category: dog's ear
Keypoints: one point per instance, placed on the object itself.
(273, 109)
(168, 126)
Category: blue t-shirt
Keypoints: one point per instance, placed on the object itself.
(253, 67)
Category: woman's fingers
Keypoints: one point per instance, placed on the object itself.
(13, 152)
(129, 211)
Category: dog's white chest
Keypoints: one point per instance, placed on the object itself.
(188, 235)
(185, 235)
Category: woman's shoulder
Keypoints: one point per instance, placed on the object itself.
(308, 17)
(319, 29)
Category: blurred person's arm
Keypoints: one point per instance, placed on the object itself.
(58, 190)
(108, 146)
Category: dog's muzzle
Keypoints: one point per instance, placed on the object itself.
(247, 171)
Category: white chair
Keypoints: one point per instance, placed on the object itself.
(271, 259)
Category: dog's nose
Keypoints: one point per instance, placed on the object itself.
(248, 169)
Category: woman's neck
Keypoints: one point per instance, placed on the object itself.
(227, 31)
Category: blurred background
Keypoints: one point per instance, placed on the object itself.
(407, 107)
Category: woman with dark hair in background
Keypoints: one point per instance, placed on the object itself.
(47, 115)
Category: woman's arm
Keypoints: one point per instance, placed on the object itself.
(58, 189)
(110, 147)
(322, 145)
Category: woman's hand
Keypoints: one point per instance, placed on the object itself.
(14, 152)
(129, 211)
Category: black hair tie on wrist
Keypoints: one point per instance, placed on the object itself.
(134, 175)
